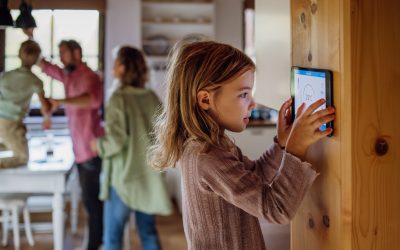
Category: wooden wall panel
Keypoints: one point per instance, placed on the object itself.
(315, 43)
(316, 33)
(376, 88)
(357, 189)
(354, 204)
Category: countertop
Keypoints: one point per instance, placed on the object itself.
(261, 123)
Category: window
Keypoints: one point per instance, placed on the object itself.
(52, 27)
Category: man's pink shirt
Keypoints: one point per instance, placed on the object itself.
(84, 123)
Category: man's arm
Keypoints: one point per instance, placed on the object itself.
(82, 101)
(51, 70)
(91, 99)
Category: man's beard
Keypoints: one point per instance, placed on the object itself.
(70, 67)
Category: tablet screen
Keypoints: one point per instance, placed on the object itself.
(309, 86)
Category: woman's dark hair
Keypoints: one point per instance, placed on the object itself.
(136, 71)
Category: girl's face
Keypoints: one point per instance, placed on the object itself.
(231, 104)
(118, 69)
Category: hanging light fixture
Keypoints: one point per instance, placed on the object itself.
(5, 15)
(25, 19)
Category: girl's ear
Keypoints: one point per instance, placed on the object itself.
(203, 99)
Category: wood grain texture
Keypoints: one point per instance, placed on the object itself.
(376, 88)
(357, 189)
(315, 43)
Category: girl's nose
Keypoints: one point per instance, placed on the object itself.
(252, 104)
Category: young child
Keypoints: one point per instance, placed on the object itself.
(16, 89)
(209, 91)
(129, 184)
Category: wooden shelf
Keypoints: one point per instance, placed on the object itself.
(177, 19)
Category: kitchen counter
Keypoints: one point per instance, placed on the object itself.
(262, 123)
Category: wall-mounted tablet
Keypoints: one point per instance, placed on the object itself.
(309, 85)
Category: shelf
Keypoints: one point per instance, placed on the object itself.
(261, 123)
(175, 20)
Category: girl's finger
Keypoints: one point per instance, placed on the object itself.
(313, 107)
(322, 113)
(284, 107)
(322, 120)
(283, 111)
(288, 115)
(300, 109)
(321, 134)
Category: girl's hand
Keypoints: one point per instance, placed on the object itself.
(305, 129)
(284, 124)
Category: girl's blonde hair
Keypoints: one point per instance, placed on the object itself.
(193, 67)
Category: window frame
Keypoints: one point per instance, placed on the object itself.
(101, 40)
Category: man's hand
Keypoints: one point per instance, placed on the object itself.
(45, 108)
(28, 32)
(40, 62)
(93, 145)
(46, 124)
(55, 104)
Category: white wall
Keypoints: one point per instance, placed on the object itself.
(273, 52)
(229, 22)
(123, 26)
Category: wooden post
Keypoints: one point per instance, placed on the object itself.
(354, 204)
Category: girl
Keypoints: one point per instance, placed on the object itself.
(129, 184)
(210, 91)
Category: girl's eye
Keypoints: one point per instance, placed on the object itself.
(243, 95)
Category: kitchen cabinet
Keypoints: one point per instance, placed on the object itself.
(254, 141)
(166, 22)
(163, 23)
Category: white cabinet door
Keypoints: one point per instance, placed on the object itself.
(253, 141)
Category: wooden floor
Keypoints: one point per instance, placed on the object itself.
(169, 227)
(277, 237)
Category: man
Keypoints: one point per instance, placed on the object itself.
(84, 96)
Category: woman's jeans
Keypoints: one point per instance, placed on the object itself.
(116, 214)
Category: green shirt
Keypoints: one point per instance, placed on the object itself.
(129, 115)
(16, 89)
